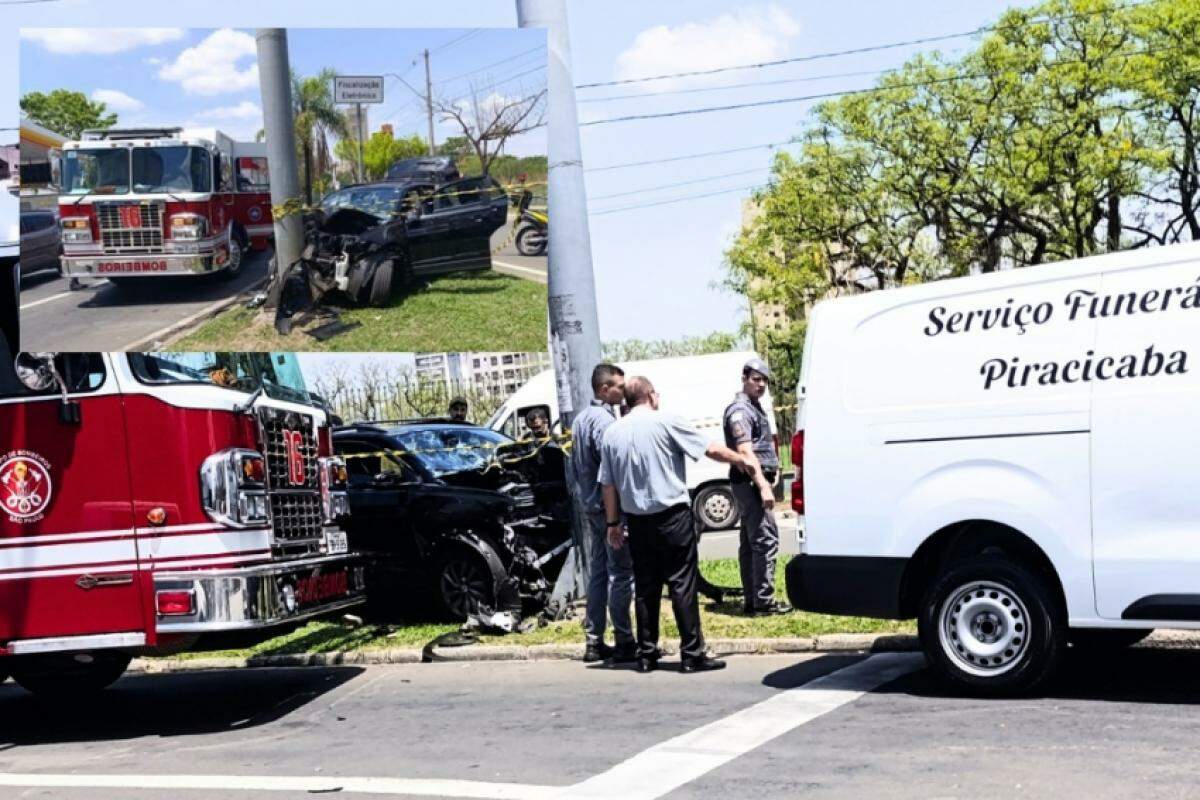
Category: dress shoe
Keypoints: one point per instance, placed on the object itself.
(624, 653)
(702, 664)
(596, 651)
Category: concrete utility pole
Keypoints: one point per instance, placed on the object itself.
(574, 327)
(429, 104)
(274, 75)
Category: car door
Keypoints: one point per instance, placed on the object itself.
(380, 493)
(35, 243)
(68, 550)
(487, 204)
(47, 237)
(456, 223)
(1145, 440)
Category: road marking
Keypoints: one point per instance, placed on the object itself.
(665, 767)
(535, 272)
(49, 299)
(648, 775)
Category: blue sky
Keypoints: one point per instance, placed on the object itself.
(656, 268)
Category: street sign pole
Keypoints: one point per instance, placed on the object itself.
(362, 168)
(574, 326)
(276, 87)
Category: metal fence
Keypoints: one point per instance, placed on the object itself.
(411, 398)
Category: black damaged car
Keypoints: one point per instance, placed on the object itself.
(455, 513)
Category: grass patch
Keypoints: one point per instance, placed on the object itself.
(460, 312)
(723, 621)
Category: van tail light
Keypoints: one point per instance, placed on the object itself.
(798, 467)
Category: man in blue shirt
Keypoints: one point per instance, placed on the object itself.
(642, 475)
(610, 570)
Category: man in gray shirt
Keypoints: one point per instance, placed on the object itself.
(642, 475)
(610, 570)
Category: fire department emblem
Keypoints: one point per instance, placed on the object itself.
(25, 486)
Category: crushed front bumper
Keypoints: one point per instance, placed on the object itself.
(262, 596)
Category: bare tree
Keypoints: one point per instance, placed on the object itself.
(488, 119)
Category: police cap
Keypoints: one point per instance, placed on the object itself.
(759, 366)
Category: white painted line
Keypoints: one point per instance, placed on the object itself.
(539, 273)
(49, 299)
(665, 767)
(649, 775)
(276, 783)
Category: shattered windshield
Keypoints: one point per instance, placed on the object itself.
(452, 449)
(278, 373)
(104, 171)
(171, 169)
(378, 201)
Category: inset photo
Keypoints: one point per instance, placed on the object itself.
(308, 189)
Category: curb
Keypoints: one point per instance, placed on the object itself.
(829, 643)
(166, 336)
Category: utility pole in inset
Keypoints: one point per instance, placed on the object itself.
(274, 76)
(429, 104)
(574, 326)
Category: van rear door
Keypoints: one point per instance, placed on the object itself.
(1145, 441)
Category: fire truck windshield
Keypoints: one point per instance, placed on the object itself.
(95, 171)
(278, 374)
(171, 169)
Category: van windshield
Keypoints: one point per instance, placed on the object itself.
(278, 373)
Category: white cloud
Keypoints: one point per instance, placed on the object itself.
(211, 67)
(99, 41)
(744, 36)
(117, 100)
(153, 61)
(243, 110)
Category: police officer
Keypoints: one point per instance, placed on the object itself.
(748, 431)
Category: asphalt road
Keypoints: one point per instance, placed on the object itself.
(102, 317)
(767, 727)
(724, 544)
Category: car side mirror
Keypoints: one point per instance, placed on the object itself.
(37, 372)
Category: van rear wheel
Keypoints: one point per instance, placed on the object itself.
(992, 626)
(716, 507)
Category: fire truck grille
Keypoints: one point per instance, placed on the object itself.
(136, 229)
(296, 517)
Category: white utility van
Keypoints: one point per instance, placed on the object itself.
(1013, 459)
(695, 387)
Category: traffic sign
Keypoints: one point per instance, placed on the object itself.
(358, 89)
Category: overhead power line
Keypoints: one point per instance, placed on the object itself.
(456, 40)
(848, 92)
(653, 161)
(661, 187)
(729, 86)
(676, 200)
(493, 64)
(859, 50)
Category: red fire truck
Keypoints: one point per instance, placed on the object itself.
(142, 202)
(154, 502)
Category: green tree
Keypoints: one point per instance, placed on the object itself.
(316, 120)
(380, 151)
(65, 112)
(638, 349)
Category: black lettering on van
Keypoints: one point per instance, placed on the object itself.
(934, 319)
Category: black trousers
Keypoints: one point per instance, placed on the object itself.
(663, 546)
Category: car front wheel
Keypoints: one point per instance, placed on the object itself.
(992, 626)
(465, 584)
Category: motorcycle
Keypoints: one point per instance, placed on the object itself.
(532, 231)
(349, 252)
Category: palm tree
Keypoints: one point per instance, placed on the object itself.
(317, 118)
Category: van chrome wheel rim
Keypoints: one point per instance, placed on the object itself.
(718, 507)
(984, 628)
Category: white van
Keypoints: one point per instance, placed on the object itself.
(696, 387)
(1013, 459)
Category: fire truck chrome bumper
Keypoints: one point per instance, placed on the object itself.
(138, 266)
(262, 596)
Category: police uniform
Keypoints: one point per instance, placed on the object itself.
(746, 422)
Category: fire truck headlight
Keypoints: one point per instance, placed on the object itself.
(333, 478)
(188, 227)
(76, 230)
(232, 491)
